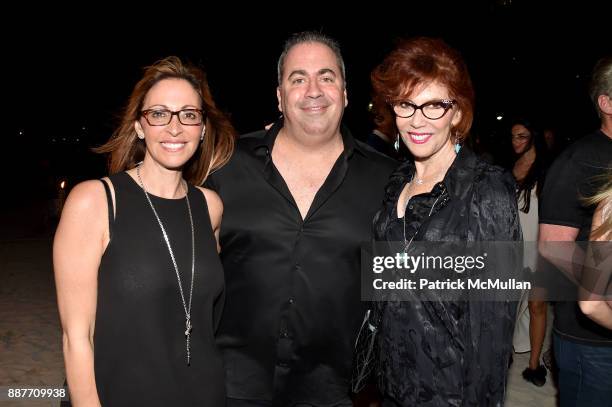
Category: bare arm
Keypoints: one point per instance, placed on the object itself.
(563, 253)
(215, 211)
(80, 240)
(557, 233)
(593, 305)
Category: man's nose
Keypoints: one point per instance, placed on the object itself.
(314, 90)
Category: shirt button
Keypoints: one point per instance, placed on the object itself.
(410, 207)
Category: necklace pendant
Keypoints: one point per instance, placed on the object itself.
(188, 327)
(188, 351)
(187, 339)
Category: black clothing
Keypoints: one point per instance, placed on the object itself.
(441, 353)
(381, 145)
(293, 286)
(572, 177)
(139, 341)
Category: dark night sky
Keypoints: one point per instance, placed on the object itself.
(66, 75)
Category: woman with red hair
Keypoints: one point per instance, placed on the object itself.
(440, 352)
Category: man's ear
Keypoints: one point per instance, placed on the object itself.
(345, 98)
(605, 103)
(279, 98)
(139, 130)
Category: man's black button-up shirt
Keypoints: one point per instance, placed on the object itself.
(293, 305)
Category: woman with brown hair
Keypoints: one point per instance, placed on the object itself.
(437, 352)
(529, 168)
(139, 281)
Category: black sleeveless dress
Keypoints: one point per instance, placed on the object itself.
(139, 341)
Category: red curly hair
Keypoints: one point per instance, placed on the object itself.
(418, 62)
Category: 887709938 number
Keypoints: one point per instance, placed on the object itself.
(12, 393)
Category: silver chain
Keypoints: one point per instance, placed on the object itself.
(407, 244)
(421, 181)
(186, 307)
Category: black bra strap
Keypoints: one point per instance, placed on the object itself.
(111, 208)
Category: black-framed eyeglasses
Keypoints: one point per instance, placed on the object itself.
(163, 117)
(433, 109)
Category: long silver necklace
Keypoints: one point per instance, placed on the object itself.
(418, 181)
(408, 243)
(186, 308)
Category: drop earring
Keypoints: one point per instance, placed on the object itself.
(457, 143)
(396, 145)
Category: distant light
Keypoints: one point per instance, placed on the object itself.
(77, 140)
(63, 138)
(83, 128)
(500, 117)
(370, 106)
(21, 132)
(62, 184)
(53, 140)
(578, 76)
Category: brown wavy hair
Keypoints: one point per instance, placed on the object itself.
(603, 197)
(126, 149)
(418, 62)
